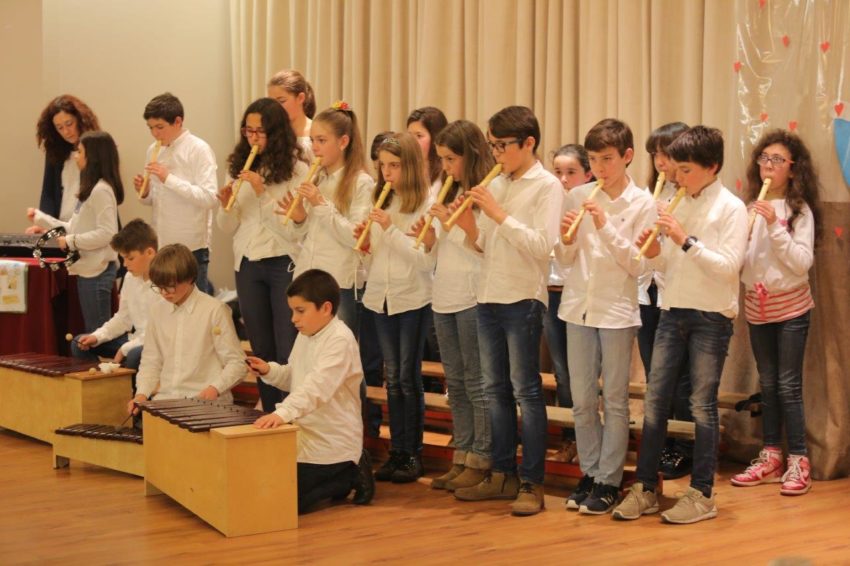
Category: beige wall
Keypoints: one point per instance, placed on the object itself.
(115, 56)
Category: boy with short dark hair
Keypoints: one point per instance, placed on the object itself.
(183, 184)
(323, 379)
(701, 257)
(122, 337)
(600, 307)
(191, 347)
(516, 231)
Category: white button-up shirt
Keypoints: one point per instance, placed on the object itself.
(668, 192)
(601, 288)
(183, 204)
(328, 234)
(776, 257)
(516, 252)
(189, 347)
(137, 296)
(456, 276)
(706, 278)
(323, 379)
(399, 274)
(258, 232)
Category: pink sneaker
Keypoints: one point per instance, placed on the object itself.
(798, 479)
(767, 468)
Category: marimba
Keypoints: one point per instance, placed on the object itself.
(203, 455)
(103, 445)
(40, 393)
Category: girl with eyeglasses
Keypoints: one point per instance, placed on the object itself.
(263, 247)
(778, 302)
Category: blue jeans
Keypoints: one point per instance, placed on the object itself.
(704, 338)
(96, 297)
(605, 352)
(261, 286)
(373, 365)
(779, 348)
(457, 334)
(509, 341)
(202, 255)
(555, 331)
(402, 337)
(347, 310)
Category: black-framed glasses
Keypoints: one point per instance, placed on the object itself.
(259, 132)
(168, 289)
(501, 145)
(776, 160)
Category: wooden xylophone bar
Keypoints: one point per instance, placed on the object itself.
(45, 364)
(102, 432)
(197, 415)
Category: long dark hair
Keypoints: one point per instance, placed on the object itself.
(282, 153)
(466, 140)
(803, 187)
(101, 164)
(434, 120)
(55, 146)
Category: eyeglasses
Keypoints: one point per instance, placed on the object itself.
(501, 145)
(776, 160)
(248, 132)
(164, 290)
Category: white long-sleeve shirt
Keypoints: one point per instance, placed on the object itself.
(399, 274)
(189, 347)
(706, 277)
(89, 230)
(668, 192)
(777, 258)
(601, 288)
(516, 252)
(323, 379)
(328, 234)
(456, 276)
(183, 204)
(258, 232)
(137, 296)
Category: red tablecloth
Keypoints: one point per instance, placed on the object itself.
(53, 310)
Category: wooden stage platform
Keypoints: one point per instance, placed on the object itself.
(90, 515)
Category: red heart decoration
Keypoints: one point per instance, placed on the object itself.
(792, 125)
(839, 108)
(838, 231)
(737, 66)
(738, 185)
(763, 116)
(824, 46)
(786, 41)
(762, 3)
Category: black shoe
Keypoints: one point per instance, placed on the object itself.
(385, 472)
(409, 469)
(602, 499)
(364, 485)
(585, 485)
(675, 464)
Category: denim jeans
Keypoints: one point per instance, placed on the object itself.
(261, 286)
(318, 482)
(402, 337)
(457, 334)
(202, 256)
(373, 365)
(555, 331)
(96, 297)
(605, 352)
(509, 341)
(779, 348)
(704, 338)
(347, 310)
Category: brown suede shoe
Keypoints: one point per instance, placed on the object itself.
(470, 477)
(441, 481)
(529, 500)
(497, 485)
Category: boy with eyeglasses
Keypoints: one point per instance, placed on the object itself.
(191, 347)
(182, 183)
(516, 231)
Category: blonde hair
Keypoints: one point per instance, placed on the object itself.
(343, 122)
(413, 187)
(294, 82)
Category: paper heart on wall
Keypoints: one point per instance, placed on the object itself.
(737, 66)
(786, 41)
(763, 116)
(838, 231)
(792, 125)
(738, 185)
(824, 46)
(839, 108)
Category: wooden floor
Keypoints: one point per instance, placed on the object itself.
(88, 515)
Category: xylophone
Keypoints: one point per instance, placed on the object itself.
(201, 454)
(116, 448)
(40, 393)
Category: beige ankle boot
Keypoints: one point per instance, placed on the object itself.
(496, 485)
(476, 469)
(442, 481)
(529, 500)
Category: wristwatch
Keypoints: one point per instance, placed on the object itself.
(690, 241)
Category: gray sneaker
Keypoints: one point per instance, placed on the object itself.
(691, 508)
(637, 502)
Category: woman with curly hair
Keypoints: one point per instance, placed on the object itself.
(58, 131)
(262, 246)
(778, 302)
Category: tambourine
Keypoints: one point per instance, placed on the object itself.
(71, 256)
